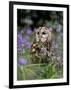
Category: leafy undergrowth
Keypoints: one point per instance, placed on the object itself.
(39, 71)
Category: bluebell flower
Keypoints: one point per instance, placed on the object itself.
(20, 39)
(22, 61)
(29, 31)
(25, 40)
(28, 45)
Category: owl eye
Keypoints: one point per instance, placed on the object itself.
(37, 32)
(43, 33)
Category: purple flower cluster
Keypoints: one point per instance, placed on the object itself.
(22, 61)
(29, 31)
(23, 41)
(28, 45)
(20, 40)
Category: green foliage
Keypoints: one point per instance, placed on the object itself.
(39, 71)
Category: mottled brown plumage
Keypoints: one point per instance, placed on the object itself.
(41, 49)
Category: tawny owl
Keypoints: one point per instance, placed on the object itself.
(41, 48)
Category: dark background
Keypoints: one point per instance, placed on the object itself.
(36, 18)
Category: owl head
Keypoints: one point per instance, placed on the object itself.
(43, 34)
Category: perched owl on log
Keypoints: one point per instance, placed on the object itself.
(41, 49)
